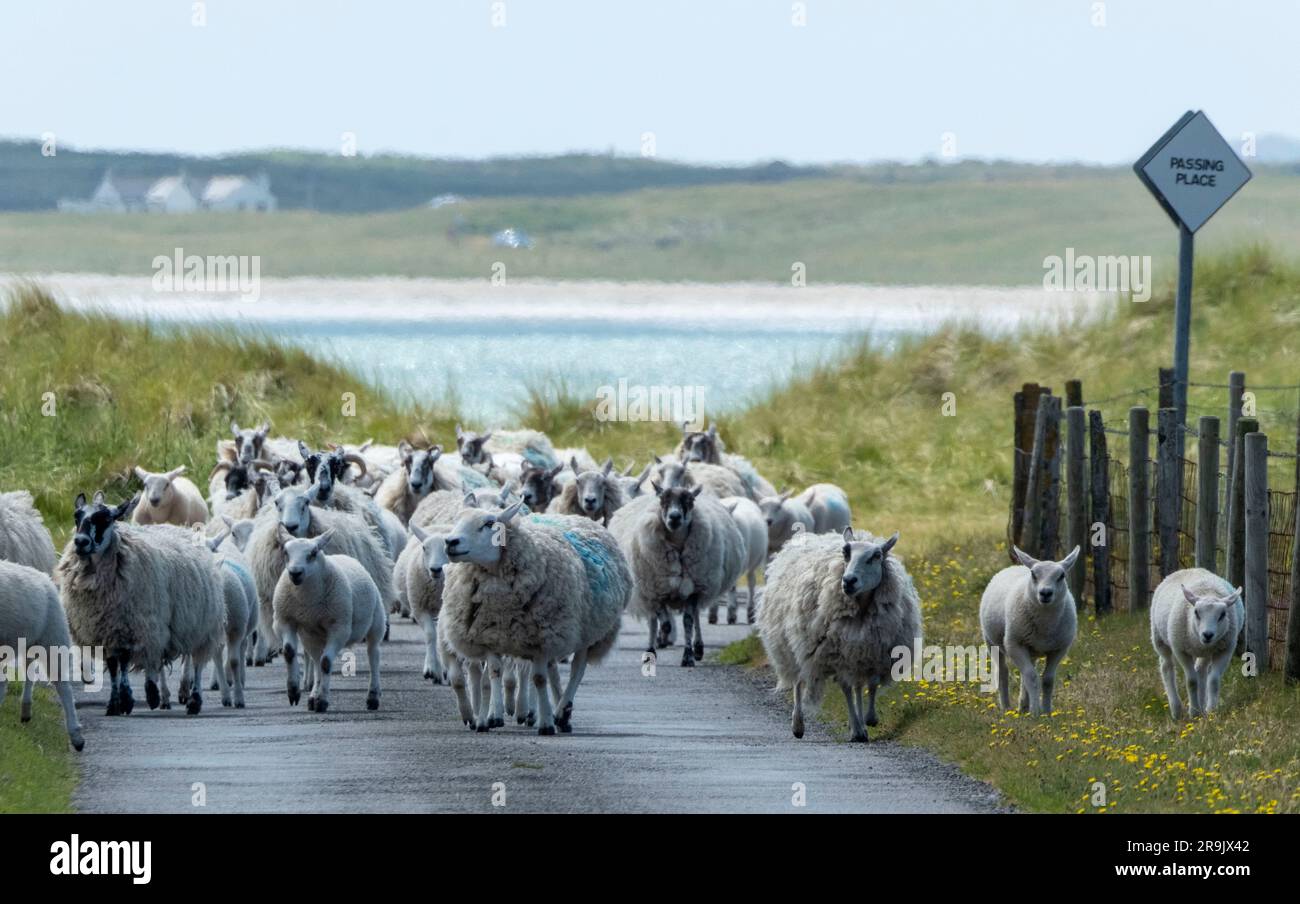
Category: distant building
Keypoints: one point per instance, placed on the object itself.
(174, 194)
(239, 193)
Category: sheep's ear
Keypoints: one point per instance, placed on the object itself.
(418, 534)
(79, 503)
(303, 450)
(175, 472)
(282, 534)
(323, 539)
(713, 431)
(1024, 558)
(98, 498)
(1068, 562)
(126, 508)
(609, 466)
(785, 494)
(627, 472)
(234, 428)
(658, 460)
(229, 521)
(214, 543)
(848, 534)
(554, 472)
(644, 474)
(1234, 596)
(573, 463)
(141, 473)
(469, 500)
(889, 544)
(435, 453)
(1188, 595)
(659, 491)
(697, 490)
(507, 514)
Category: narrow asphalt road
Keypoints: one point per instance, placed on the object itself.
(708, 739)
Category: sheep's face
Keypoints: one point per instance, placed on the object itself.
(1210, 614)
(676, 506)
(538, 485)
(470, 446)
(479, 537)
(703, 447)
(419, 471)
(434, 549)
(634, 486)
(1046, 579)
(237, 480)
(241, 531)
(590, 489)
(779, 518)
(864, 563)
(97, 523)
(158, 487)
(304, 558)
(248, 443)
(673, 474)
(295, 511)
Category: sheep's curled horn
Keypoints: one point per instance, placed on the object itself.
(226, 465)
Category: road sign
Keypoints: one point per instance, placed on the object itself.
(1192, 171)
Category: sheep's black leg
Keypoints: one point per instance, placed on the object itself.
(699, 632)
(654, 630)
(112, 687)
(125, 701)
(151, 695)
(665, 630)
(688, 626)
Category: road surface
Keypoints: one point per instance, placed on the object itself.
(712, 738)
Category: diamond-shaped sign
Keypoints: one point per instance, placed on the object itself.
(1192, 171)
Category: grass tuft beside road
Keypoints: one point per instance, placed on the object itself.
(38, 770)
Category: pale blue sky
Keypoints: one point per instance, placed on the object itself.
(714, 80)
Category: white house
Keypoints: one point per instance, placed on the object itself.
(238, 193)
(171, 194)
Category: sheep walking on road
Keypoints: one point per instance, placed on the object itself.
(30, 613)
(323, 605)
(749, 518)
(838, 609)
(1028, 612)
(1195, 619)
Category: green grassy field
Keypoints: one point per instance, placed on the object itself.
(874, 423)
(993, 231)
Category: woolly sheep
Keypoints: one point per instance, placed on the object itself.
(829, 507)
(240, 594)
(23, 537)
(715, 479)
(594, 494)
(836, 608)
(1195, 619)
(684, 550)
(707, 447)
(169, 498)
(634, 486)
(328, 491)
(147, 595)
(30, 613)
(380, 461)
(418, 580)
(1028, 612)
(537, 588)
(785, 517)
(240, 491)
(323, 604)
(444, 506)
(753, 529)
(402, 491)
(538, 485)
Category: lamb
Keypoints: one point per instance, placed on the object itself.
(23, 537)
(240, 594)
(1029, 613)
(536, 588)
(749, 518)
(685, 551)
(402, 491)
(594, 494)
(169, 498)
(829, 507)
(707, 447)
(837, 607)
(322, 605)
(1195, 619)
(418, 580)
(148, 595)
(785, 518)
(30, 613)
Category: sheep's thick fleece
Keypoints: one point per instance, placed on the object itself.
(814, 632)
(23, 537)
(560, 586)
(1170, 613)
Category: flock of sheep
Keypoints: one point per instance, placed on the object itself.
(514, 558)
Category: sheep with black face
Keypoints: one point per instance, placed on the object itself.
(402, 491)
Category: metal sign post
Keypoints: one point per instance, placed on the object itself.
(1192, 172)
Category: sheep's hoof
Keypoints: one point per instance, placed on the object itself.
(112, 706)
(530, 720)
(688, 661)
(239, 705)
(872, 721)
(249, 661)
(482, 728)
(519, 719)
(226, 703)
(731, 618)
(126, 701)
(566, 727)
(195, 704)
(859, 738)
(797, 732)
(322, 705)
(311, 704)
(214, 686)
(749, 616)
(372, 701)
(26, 713)
(699, 649)
(546, 730)
(494, 722)
(294, 696)
(166, 704)
(387, 628)
(258, 662)
(151, 695)
(77, 740)
(713, 618)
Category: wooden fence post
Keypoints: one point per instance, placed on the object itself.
(1256, 455)
(1236, 386)
(1099, 466)
(1076, 501)
(1166, 387)
(1207, 495)
(1139, 510)
(1236, 556)
(1293, 617)
(1033, 526)
(1167, 488)
(1073, 393)
(1049, 537)
(1026, 407)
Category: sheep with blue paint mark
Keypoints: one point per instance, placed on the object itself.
(536, 588)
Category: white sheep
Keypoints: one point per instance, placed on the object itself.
(330, 492)
(749, 518)
(785, 518)
(634, 485)
(240, 491)
(240, 594)
(1195, 619)
(444, 506)
(684, 550)
(595, 494)
(829, 507)
(707, 447)
(323, 604)
(537, 588)
(30, 613)
(838, 609)
(147, 595)
(23, 537)
(715, 479)
(404, 489)
(169, 498)
(418, 581)
(1029, 613)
